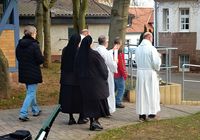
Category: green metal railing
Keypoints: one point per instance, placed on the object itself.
(44, 131)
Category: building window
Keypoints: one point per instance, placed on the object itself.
(184, 19)
(165, 19)
(164, 60)
(184, 59)
(138, 40)
(130, 18)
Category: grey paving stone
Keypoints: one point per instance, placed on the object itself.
(61, 131)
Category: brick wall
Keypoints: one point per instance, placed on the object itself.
(7, 44)
(13, 77)
(186, 44)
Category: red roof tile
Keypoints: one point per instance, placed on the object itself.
(142, 16)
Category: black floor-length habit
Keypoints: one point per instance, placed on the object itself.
(92, 72)
(70, 96)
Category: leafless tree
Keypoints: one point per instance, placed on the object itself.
(80, 8)
(4, 76)
(119, 19)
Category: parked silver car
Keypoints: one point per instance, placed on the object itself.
(129, 54)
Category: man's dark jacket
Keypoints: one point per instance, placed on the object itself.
(29, 59)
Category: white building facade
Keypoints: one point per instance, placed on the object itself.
(179, 16)
(178, 25)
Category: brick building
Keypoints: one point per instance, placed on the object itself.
(179, 27)
(9, 32)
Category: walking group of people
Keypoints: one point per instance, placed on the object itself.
(92, 81)
(87, 79)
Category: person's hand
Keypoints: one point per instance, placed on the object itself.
(116, 47)
(160, 55)
(115, 55)
(116, 60)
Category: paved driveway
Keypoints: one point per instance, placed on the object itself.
(191, 89)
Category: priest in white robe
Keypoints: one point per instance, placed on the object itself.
(147, 83)
(112, 67)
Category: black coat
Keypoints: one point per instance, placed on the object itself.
(92, 74)
(67, 67)
(29, 59)
(95, 85)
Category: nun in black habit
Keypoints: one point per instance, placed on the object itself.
(92, 74)
(70, 94)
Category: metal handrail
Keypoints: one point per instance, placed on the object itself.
(187, 80)
(168, 62)
(169, 67)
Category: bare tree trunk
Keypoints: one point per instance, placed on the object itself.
(80, 8)
(82, 14)
(47, 39)
(4, 76)
(39, 22)
(76, 7)
(47, 5)
(119, 19)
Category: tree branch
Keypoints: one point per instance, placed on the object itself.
(52, 2)
(45, 4)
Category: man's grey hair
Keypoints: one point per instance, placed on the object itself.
(84, 30)
(102, 40)
(147, 34)
(29, 30)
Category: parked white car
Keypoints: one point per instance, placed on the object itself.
(129, 54)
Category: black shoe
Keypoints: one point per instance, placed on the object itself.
(23, 119)
(142, 118)
(71, 121)
(82, 121)
(37, 114)
(95, 126)
(120, 106)
(151, 116)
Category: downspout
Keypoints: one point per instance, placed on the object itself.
(155, 24)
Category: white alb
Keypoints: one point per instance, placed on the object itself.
(147, 84)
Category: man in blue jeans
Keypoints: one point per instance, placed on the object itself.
(120, 89)
(29, 59)
(120, 76)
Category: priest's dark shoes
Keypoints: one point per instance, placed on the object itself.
(153, 118)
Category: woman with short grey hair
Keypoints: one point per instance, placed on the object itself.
(30, 31)
(29, 58)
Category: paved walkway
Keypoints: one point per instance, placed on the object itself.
(61, 131)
